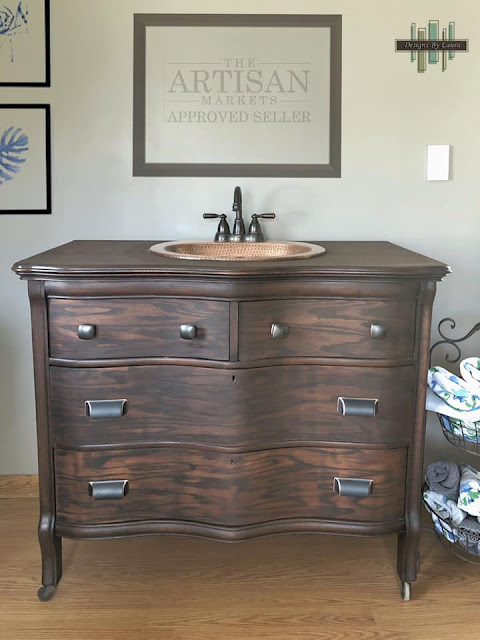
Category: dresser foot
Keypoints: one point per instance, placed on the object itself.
(406, 591)
(51, 548)
(46, 593)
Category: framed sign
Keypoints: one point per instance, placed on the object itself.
(25, 159)
(237, 95)
(25, 43)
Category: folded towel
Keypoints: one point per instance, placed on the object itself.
(443, 477)
(445, 507)
(469, 535)
(435, 403)
(469, 492)
(441, 527)
(471, 526)
(452, 389)
(470, 370)
(463, 429)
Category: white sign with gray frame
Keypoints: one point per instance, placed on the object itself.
(237, 95)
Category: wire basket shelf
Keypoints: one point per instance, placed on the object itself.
(465, 435)
(461, 543)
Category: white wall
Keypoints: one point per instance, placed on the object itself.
(390, 114)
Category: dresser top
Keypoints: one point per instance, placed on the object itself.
(132, 258)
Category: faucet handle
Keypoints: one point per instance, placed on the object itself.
(223, 231)
(269, 216)
(255, 233)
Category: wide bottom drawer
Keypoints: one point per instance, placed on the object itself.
(231, 490)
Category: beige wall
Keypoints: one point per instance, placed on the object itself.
(390, 114)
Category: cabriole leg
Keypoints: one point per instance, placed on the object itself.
(51, 549)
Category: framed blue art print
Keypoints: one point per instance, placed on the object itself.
(25, 159)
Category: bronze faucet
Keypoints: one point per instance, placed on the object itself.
(238, 234)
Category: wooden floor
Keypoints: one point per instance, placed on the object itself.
(284, 588)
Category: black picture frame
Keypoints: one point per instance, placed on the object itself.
(45, 157)
(46, 80)
(331, 169)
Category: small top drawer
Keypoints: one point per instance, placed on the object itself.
(348, 328)
(96, 328)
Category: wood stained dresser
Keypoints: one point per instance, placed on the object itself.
(229, 399)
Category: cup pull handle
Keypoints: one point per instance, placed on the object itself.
(360, 407)
(353, 487)
(99, 409)
(108, 489)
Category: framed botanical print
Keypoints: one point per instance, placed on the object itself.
(25, 43)
(25, 159)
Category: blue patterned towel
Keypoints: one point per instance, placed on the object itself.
(441, 527)
(453, 390)
(445, 507)
(470, 370)
(435, 403)
(469, 494)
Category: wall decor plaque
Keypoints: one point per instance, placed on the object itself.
(237, 95)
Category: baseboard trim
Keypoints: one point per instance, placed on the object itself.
(18, 486)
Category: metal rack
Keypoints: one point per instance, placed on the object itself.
(466, 436)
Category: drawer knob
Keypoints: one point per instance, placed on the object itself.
(279, 331)
(188, 331)
(108, 489)
(377, 331)
(353, 487)
(360, 407)
(86, 331)
(99, 409)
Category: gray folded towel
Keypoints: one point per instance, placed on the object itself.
(469, 535)
(471, 526)
(444, 477)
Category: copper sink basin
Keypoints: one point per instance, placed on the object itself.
(254, 251)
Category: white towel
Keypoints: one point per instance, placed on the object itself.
(435, 403)
(453, 390)
(445, 507)
(469, 494)
(470, 370)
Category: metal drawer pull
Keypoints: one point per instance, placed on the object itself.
(279, 331)
(86, 331)
(361, 407)
(98, 409)
(188, 331)
(353, 487)
(108, 489)
(377, 331)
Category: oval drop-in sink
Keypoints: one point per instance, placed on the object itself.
(254, 251)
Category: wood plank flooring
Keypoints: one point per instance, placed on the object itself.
(297, 587)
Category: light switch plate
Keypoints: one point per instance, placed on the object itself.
(438, 162)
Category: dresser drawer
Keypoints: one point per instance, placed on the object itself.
(232, 408)
(348, 328)
(138, 327)
(229, 489)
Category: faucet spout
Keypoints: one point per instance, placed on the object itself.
(238, 234)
